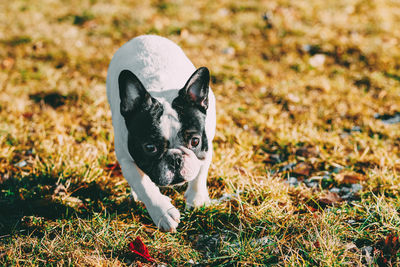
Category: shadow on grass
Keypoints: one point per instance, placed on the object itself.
(38, 197)
(53, 99)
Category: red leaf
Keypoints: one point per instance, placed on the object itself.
(114, 168)
(312, 209)
(391, 245)
(388, 249)
(139, 248)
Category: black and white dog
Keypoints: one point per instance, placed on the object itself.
(163, 113)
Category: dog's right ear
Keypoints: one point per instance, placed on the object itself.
(131, 92)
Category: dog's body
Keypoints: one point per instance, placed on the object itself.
(163, 114)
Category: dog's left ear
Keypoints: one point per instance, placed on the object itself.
(197, 86)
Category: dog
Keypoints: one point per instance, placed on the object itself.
(163, 115)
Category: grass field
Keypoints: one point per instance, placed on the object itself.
(307, 152)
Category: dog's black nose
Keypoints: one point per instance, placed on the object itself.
(175, 161)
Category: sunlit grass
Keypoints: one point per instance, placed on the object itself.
(301, 89)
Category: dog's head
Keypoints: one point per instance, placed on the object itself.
(166, 140)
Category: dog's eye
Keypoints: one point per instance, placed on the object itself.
(149, 148)
(194, 142)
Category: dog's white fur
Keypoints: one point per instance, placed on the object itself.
(163, 69)
(169, 123)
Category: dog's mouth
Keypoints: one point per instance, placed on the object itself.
(174, 184)
(178, 181)
(174, 178)
(177, 173)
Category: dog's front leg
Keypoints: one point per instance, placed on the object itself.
(161, 211)
(196, 194)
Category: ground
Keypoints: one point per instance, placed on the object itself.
(307, 159)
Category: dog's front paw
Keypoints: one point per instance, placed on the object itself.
(165, 216)
(195, 199)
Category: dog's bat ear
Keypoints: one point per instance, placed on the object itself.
(131, 92)
(197, 87)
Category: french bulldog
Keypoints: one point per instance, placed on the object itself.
(163, 114)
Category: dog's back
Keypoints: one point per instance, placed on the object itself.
(158, 63)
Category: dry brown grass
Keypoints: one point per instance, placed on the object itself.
(297, 82)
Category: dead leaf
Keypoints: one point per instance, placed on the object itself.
(347, 177)
(27, 115)
(307, 152)
(8, 63)
(272, 158)
(329, 198)
(302, 168)
(91, 24)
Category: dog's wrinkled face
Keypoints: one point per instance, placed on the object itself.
(167, 141)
